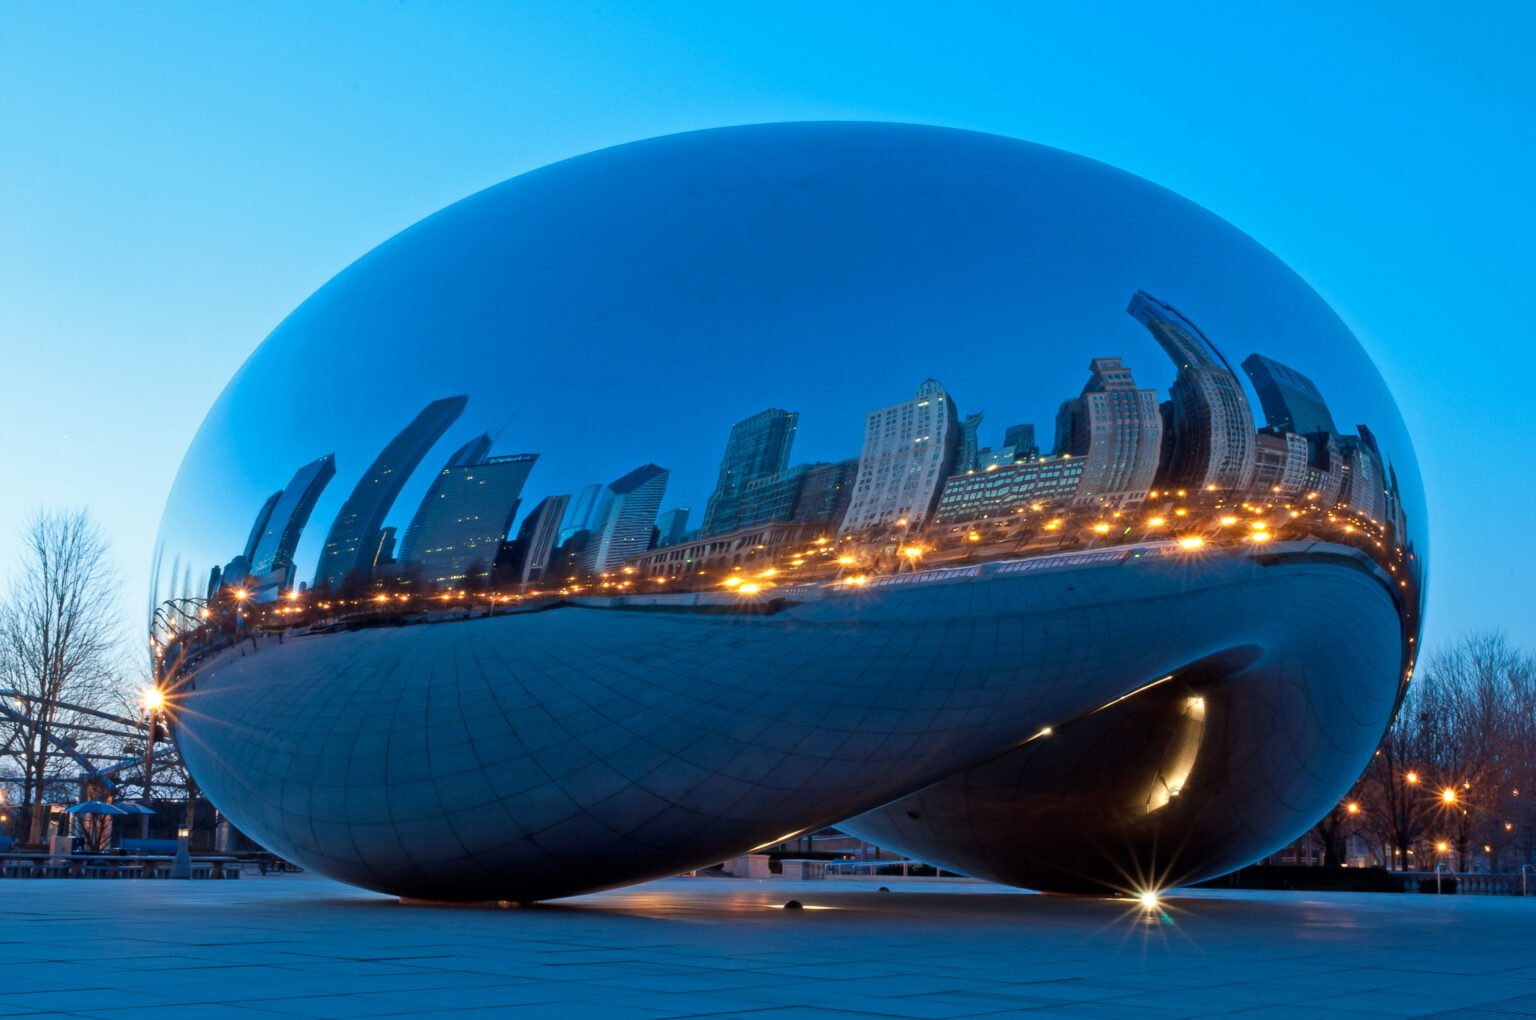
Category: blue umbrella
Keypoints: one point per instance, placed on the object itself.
(95, 807)
(128, 807)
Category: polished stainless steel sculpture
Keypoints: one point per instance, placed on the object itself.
(663, 503)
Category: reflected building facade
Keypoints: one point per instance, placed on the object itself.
(1209, 420)
(909, 449)
(945, 646)
(758, 448)
(466, 514)
(353, 541)
(287, 513)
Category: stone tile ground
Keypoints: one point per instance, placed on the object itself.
(303, 946)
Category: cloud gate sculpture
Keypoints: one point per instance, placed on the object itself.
(651, 507)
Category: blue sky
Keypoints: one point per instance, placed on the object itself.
(174, 179)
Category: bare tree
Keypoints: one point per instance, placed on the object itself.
(59, 645)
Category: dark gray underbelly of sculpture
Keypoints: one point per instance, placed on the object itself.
(544, 754)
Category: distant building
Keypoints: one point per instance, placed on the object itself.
(909, 450)
(259, 526)
(983, 495)
(288, 514)
(1364, 484)
(466, 514)
(1117, 429)
(586, 511)
(825, 492)
(626, 530)
(536, 539)
(672, 525)
(1291, 401)
(353, 538)
(758, 448)
(1212, 425)
(721, 552)
(968, 445)
(1280, 463)
(1021, 439)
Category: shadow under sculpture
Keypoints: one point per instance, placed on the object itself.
(1140, 645)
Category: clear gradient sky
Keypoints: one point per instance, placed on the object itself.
(174, 179)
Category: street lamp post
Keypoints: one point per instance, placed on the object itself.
(153, 701)
(181, 864)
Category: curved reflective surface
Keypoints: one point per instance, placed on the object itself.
(663, 502)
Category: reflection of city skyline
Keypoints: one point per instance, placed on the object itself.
(921, 471)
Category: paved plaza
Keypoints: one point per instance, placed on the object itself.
(308, 947)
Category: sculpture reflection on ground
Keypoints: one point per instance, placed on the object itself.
(1155, 505)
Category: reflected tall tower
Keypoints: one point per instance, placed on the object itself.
(909, 449)
(1212, 425)
(968, 446)
(466, 514)
(758, 448)
(1118, 428)
(626, 529)
(536, 539)
(272, 558)
(1291, 401)
(353, 539)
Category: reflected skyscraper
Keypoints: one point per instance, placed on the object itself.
(1118, 428)
(1291, 401)
(259, 526)
(672, 525)
(353, 538)
(631, 513)
(967, 447)
(466, 513)
(909, 450)
(271, 561)
(758, 448)
(1022, 440)
(1212, 425)
(586, 511)
(536, 539)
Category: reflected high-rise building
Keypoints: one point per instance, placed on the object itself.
(758, 448)
(631, 514)
(586, 511)
(909, 449)
(353, 538)
(271, 559)
(536, 539)
(1280, 463)
(466, 514)
(672, 525)
(1212, 425)
(968, 445)
(1118, 429)
(1291, 401)
(1021, 439)
(259, 526)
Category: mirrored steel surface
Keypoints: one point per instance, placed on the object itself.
(669, 500)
